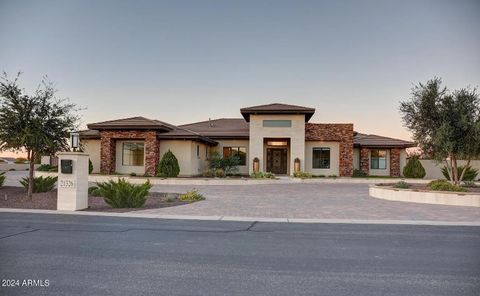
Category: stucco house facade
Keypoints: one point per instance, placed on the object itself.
(275, 138)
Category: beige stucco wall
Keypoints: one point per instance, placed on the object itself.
(92, 148)
(334, 157)
(186, 153)
(433, 169)
(296, 134)
(380, 172)
(234, 143)
(127, 169)
(356, 158)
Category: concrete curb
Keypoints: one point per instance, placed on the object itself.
(246, 219)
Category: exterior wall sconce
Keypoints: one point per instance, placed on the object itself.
(256, 165)
(74, 141)
(296, 165)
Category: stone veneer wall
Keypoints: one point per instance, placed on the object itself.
(365, 160)
(340, 132)
(395, 162)
(107, 148)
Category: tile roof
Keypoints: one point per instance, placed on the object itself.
(220, 128)
(277, 108)
(365, 140)
(137, 122)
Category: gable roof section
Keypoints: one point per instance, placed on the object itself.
(220, 128)
(277, 108)
(184, 134)
(375, 141)
(132, 123)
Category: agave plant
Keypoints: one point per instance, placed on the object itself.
(40, 184)
(2, 178)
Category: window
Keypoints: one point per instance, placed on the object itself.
(321, 158)
(277, 123)
(240, 152)
(206, 152)
(132, 154)
(378, 159)
(198, 151)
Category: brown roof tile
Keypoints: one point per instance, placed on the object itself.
(277, 108)
(365, 140)
(137, 122)
(220, 128)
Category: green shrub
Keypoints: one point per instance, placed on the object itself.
(2, 178)
(444, 185)
(132, 174)
(40, 184)
(469, 184)
(228, 164)
(94, 191)
(122, 194)
(192, 195)
(90, 166)
(359, 174)
(219, 173)
(44, 168)
(161, 175)
(414, 168)
(332, 176)
(302, 175)
(262, 175)
(210, 173)
(401, 185)
(20, 160)
(470, 173)
(169, 165)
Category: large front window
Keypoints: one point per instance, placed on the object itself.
(321, 158)
(240, 152)
(133, 154)
(378, 159)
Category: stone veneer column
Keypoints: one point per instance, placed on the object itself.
(365, 160)
(107, 153)
(346, 152)
(152, 153)
(395, 162)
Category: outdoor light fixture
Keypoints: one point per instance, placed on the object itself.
(74, 140)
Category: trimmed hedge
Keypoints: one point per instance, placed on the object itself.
(414, 169)
(168, 166)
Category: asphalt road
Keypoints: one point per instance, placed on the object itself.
(83, 255)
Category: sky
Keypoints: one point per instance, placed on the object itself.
(187, 61)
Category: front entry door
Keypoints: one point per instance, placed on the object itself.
(277, 160)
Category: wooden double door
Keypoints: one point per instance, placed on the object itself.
(277, 160)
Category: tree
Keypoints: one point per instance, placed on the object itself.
(38, 123)
(446, 125)
(168, 166)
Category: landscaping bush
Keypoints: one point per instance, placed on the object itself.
(94, 191)
(401, 185)
(192, 195)
(2, 178)
(47, 168)
(229, 164)
(414, 168)
(219, 173)
(168, 166)
(359, 174)
(470, 173)
(444, 185)
(122, 194)
(133, 174)
(19, 160)
(210, 173)
(262, 175)
(40, 184)
(302, 175)
(90, 166)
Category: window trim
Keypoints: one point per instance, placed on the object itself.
(378, 159)
(329, 157)
(123, 153)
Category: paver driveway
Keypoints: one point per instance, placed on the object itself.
(319, 201)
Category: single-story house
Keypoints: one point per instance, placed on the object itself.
(275, 138)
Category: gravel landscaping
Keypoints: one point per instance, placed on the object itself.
(15, 197)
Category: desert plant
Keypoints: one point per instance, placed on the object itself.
(469, 175)
(192, 195)
(302, 175)
(122, 194)
(262, 175)
(2, 178)
(40, 184)
(444, 185)
(94, 191)
(359, 174)
(219, 173)
(90, 166)
(414, 168)
(169, 165)
(228, 164)
(401, 185)
(44, 168)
